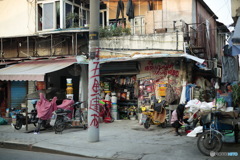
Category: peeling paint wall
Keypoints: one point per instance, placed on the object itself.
(175, 10)
(165, 41)
(164, 70)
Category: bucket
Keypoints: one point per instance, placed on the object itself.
(69, 80)
(229, 138)
(114, 112)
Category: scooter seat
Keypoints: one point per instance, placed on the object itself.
(67, 111)
(59, 110)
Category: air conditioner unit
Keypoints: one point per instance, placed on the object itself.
(218, 72)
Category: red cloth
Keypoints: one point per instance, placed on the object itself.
(45, 107)
(66, 104)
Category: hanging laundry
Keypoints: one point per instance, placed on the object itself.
(120, 9)
(229, 69)
(130, 10)
(150, 5)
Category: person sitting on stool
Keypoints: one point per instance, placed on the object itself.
(177, 118)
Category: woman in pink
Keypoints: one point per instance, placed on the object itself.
(177, 118)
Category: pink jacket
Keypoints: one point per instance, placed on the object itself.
(174, 116)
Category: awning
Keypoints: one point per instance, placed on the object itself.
(34, 70)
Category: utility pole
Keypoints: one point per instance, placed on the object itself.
(93, 72)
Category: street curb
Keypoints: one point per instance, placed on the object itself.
(31, 147)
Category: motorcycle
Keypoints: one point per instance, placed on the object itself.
(18, 118)
(45, 109)
(63, 118)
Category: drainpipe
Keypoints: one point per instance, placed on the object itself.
(76, 48)
(51, 45)
(1, 53)
(28, 46)
(177, 40)
(1, 46)
(72, 44)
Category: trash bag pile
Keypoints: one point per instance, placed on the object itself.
(3, 121)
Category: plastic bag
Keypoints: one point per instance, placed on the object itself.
(221, 104)
(193, 105)
(196, 130)
(206, 106)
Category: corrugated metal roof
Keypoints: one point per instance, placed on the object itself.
(34, 70)
(151, 56)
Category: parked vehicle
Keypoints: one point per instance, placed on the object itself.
(45, 110)
(105, 111)
(156, 116)
(19, 119)
(216, 126)
(68, 117)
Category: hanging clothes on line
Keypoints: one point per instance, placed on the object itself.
(130, 10)
(120, 10)
(150, 5)
(229, 69)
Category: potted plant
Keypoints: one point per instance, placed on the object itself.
(132, 112)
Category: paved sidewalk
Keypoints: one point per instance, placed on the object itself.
(123, 139)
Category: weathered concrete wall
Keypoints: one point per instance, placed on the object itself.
(165, 41)
(175, 10)
(17, 18)
(235, 8)
(207, 37)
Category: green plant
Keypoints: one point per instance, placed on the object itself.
(72, 20)
(236, 94)
(114, 31)
(117, 31)
(105, 32)
(127, 31)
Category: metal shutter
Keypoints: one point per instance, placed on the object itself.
(18, 93)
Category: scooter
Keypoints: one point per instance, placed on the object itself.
(45, 109)
(64, 118)
(18, 119)
(153, 117)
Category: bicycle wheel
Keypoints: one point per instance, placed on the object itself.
(59, 125)
(164, 124)
(209, 141)
(18, 125)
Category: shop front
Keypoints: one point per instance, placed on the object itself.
(118, 81)
(27, 79)
(135, 83)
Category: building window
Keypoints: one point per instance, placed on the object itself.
(40, 17)
(69, 15)
(76, 14)
(138, 25)
(103, 18)
(48, 15)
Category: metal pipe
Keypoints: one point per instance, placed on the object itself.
(51, 46)
(28, 46)
(76, 50)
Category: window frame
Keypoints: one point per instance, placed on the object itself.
(54, 14)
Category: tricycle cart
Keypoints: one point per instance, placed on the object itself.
(216, 126)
